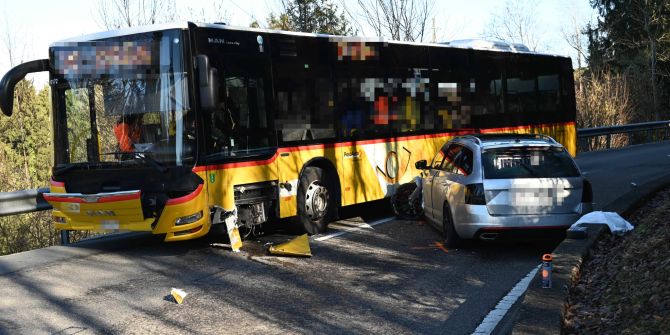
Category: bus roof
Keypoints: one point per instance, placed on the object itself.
(459, 44)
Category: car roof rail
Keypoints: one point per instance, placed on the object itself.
(546, 137)
(471, 137)
(509, 136)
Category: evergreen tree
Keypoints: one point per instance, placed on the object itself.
(634, 36)
(311, 16)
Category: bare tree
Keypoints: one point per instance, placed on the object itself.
(401, 20)
(515, 23)
(574, 36)
(603, 99)
(14, 44)
(115, 14)
(216, 13)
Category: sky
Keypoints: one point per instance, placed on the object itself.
(35, 24)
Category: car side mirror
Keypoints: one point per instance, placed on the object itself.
(421, 165)
(208, 82)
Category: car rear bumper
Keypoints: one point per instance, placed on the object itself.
(471, 221)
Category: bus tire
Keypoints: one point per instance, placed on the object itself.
(316, 200)
(451, 238)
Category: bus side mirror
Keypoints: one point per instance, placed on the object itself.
(12, 77)
(421, 165)
(208, 82)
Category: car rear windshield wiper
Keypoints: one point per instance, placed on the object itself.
(529, 169)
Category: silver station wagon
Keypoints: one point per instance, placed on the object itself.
(486, 186)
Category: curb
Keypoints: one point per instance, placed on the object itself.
(541, 311)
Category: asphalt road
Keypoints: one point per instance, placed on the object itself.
(386, 278)
(611, 172)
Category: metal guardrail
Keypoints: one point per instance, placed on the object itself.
(19, 202)
(656, 130)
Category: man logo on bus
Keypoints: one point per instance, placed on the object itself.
(213, 40)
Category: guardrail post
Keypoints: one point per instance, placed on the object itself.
(64, 237)
(609, 140)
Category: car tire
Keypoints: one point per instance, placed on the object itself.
(451, 238)
(316, 200)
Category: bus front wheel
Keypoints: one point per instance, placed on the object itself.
(316, 200)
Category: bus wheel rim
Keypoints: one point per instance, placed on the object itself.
(316, 201)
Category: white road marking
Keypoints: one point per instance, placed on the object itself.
(498, 313)
(359, 227)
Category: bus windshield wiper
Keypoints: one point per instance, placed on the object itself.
(62, 168)
(141, 155)
(154, 163)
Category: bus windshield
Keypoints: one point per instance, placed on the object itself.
(123, 99)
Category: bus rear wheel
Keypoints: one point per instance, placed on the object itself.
(316, 200)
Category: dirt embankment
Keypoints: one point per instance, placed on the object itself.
(624, 287)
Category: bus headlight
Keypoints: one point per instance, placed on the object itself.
(188, 219)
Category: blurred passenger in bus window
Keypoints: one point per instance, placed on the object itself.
(128, 131)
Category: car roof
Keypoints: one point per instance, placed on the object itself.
(496, 140)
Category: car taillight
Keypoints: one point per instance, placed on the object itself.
(474, 194)
(587, 192)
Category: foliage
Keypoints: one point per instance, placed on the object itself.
(25, 159)
(310, 16)
(633, 36)
(603, 99)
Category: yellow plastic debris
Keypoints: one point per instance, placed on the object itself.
(233, 234)
(178, 295)
(298, 246)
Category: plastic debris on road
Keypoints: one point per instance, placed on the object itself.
(617, 224)
(178, 295)
(298, 246)
(233, 233)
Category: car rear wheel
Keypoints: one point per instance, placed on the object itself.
(451, 238)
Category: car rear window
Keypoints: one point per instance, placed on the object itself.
(528, 162)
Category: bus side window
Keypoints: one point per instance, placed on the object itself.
(304, 102)
(548, 92)
(239, 125)
(521, 87)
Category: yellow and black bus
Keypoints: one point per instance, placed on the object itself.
(173, 128)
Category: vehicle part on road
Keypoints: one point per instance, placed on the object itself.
(298, 246)
(451, 238)
(178, 295)
(546, 270)
(316, 202)
(406, 202)
(230, 218)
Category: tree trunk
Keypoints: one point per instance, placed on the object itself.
(654, 89)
